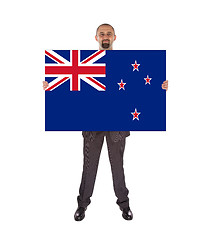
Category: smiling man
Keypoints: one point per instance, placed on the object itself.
(93, 142)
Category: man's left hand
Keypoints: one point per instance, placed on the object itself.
(165, 85)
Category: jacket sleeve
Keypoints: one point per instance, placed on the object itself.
(125, 133)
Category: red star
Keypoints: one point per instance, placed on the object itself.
(135, 66)
(147, 79)
(135, 114)
(121, 85)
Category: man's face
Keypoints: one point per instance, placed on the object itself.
(105, 36)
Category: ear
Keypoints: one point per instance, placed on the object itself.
(114, 37)
(96, 38)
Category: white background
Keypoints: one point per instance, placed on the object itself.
(167, 173)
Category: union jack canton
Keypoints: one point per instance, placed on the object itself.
(74, 70)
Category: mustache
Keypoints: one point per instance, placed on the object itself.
(106, 40)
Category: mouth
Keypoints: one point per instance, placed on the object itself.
(106, 43)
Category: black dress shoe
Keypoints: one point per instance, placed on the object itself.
(80, 213)
(127, 213)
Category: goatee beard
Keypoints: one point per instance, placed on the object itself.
(105, 45)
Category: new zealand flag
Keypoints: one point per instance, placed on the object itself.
(114, 90)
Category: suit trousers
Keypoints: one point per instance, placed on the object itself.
(92, 150)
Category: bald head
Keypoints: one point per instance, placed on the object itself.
(105, 36)
(105, 24)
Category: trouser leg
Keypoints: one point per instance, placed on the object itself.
(116, 151)
(91, 150)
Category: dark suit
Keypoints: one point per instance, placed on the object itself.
(115, 136)
(93, 142)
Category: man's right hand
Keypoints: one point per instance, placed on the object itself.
(45, 84)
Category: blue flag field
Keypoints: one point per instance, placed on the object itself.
(113, 90)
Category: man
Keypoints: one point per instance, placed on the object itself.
(93, 142)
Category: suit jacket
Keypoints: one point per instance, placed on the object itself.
(115, 135)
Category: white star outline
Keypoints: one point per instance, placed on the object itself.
(135, 113)
(120, 85)
(135, 64)
(146, 80)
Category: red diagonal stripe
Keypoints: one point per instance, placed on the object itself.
(54, 58)
(90, 58)
(95, 82)
(56, 84)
